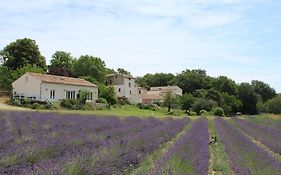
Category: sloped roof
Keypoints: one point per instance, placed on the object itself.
(152, 95)
(164, 88)
(61, 79)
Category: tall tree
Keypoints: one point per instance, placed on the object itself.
(264, 90)
(90, 66)
(5, 78)
(249, 98)
(62, 64)
(171, 101)
(186, 102)
(229, 103)
(224, 84)
(123, 71)
(158, 79)
(191, 80)
(22, 52)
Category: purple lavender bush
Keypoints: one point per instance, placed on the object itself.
(267, 135)
(189, 155)
(245, 156)
(48, 143)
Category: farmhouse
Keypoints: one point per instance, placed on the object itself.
(157, 94)
(125, 87)
(43, 87)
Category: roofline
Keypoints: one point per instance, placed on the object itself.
(118, 74)
(30, 73)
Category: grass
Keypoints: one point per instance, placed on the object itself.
(219, 163)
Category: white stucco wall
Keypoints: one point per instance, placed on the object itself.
(27, 86)
(60, 90)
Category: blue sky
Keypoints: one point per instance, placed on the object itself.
(237, 38)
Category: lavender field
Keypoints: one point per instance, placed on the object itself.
(49, 143)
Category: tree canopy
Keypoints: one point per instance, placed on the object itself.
(22, 52)
(62, 64)
(88, 65)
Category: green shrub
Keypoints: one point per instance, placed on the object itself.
(218, 111)
(16, 102)
(101, 100)
(36, 106)
(88, 106)
(123, 101)
(71, 104)
(192, 113)
(26, 101)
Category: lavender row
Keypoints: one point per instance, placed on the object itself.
(265, 134)
(115, 156)
(189, 155)
(23, 131)
(78, 137)
(245, 157)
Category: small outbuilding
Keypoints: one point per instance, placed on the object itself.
(43, 87)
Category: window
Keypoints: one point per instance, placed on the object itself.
(70, 94)
(129, 84)
(91, 96)
(52, 94)
(139, 92)
(110, 82)
(130, 92)
(119, 90)
(129, 78)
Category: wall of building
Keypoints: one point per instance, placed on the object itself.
(60, 91)
(114, 80)
(27, 86)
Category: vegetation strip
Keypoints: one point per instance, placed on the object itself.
(148, 163)
(264, 134)
(189, 155)
(219, 163)
(245, 156)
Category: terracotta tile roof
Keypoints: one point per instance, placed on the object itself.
(61, 79)
(152, 95)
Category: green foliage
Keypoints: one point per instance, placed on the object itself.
(213, 94)
(191, 80)
(274, 105)
(171, 101)
(123, 71)
(74, 169)
(224, 84)
(186, 102)
(264, 90)
(102, 100)
(229, 103)
(62, 64)
(22, 52)
(158, 79)
(6, 79)
(36, 106)
(218, 111)
(123, 101)
(200, 93)
(90, 66)
(72, 104)
(249, 98)
(83, 96)
(27, 68)
(203, 104)
(107, 93)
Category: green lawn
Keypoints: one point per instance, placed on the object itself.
(125, 111)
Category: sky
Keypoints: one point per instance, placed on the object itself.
(240, 39)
